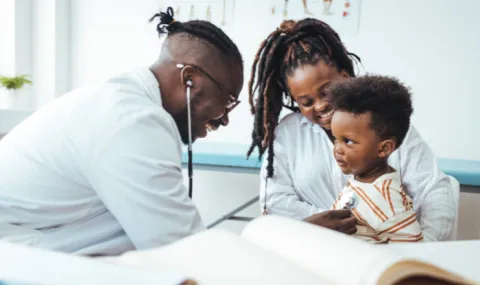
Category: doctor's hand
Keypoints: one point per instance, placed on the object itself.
(338, 220)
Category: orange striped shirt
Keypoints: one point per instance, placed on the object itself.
(384, 212)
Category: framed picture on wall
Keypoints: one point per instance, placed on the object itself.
(342, 15)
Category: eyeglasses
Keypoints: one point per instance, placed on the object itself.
(232, 101)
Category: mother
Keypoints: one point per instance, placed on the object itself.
(300, 178)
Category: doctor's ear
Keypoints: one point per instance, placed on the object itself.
(186, 76)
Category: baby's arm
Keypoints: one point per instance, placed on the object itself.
(385, 211)
(402, 225)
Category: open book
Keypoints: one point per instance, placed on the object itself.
(271, 250)
(276, 250)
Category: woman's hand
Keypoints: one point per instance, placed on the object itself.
(338, 220)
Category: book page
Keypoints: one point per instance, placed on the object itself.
(25, 265)
(456, 256)
(220, 257)
(332, 255)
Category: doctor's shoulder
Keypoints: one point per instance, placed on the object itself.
(124, 106)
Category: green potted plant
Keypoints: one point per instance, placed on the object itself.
(9, 87)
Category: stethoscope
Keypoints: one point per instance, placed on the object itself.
(189, 85)
(190, 164)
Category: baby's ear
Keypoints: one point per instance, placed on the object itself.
(386, 147)
(344, 74)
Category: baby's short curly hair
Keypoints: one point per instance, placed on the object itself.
(385, 98)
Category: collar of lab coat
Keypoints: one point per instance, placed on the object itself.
(305, 122)
(145, 78)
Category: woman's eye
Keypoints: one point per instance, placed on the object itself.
(308, 103)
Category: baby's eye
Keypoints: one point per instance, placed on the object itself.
(347, 141)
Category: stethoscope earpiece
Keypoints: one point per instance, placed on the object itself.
(189, 83)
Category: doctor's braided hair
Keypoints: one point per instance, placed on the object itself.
(200, 29)
(290, 46)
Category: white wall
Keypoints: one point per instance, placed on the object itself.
(111, 36)
(15, 47)
(431, 45)
(35, 42)
(43, 49)
(51, 71)
(7, 48)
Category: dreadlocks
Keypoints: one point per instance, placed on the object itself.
(290, 46)
(200, 29)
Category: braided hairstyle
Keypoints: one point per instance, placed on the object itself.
(199, 29)
(290, 46)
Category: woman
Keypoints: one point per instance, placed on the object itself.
(300, 178)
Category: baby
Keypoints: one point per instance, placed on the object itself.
(371, 120)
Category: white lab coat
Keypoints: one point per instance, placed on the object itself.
(307, 179)
(97, 171)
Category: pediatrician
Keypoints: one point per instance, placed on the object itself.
(98, 170)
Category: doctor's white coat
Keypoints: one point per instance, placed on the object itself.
(97, 171)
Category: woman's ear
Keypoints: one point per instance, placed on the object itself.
(386, 147)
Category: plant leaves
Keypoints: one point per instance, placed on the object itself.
(15, 83)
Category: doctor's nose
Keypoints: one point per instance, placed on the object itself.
(224, 120)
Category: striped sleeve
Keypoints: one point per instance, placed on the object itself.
(386, 212)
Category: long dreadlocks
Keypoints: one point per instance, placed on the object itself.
(290, 46)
